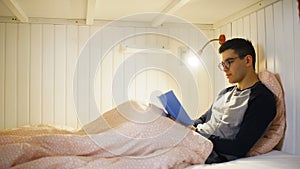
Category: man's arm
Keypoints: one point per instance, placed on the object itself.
(204, 118)
(260, 113)
(207, 115)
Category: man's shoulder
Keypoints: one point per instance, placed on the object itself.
(261, 92)
(261, 89)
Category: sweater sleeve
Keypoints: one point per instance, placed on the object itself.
(202, 119)
(207, 115)
(260, 112)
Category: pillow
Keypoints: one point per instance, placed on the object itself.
(275, 132)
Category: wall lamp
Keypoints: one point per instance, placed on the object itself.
(221, 40)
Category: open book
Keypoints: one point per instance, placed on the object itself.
(175, 109)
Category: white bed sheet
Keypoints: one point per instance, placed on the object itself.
(272, 160)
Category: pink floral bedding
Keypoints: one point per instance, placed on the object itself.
(161, 143)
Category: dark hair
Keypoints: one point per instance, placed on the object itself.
(241, 46)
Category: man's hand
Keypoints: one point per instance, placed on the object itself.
(192, 128)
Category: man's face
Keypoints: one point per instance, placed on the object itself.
(233, 66)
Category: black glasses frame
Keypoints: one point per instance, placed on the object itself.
(226, 64)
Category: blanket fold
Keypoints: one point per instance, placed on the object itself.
(161, 143)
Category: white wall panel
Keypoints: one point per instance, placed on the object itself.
(269, 50)
(117, 60)
(60, 74)
(11, 75)
(261, 40)
(219, 79)
(209, 61)
(226, 29)
(72, 55)
(23, 73)
(141, 76)
(35, 74)
(288, 75)
(200, 74)
(38, 64)
(246, 23)
(2, 75)
(278, 38)
(48, 74)
(234, 32)
(106, 72)
(83, 93)
(297, 70)
(95, 79)
(129, 89)
(240, 27)
(152, 75)
(253, 35)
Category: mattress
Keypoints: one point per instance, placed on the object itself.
(271, 160)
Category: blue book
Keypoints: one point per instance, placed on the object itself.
(175, 109)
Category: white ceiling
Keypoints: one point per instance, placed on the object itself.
(194, 11)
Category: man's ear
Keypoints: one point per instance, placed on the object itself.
(249, 60)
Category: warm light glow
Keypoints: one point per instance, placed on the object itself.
(193, 61)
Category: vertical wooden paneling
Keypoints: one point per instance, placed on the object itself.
(217, 74)
(106, 72)
(72, 55)
(152, 74)
(60, 74)
(83, 76)
(197, 71)
(48, 74)
(240, 28)
(117, 60)
(234, 29)
(141, 78)
(269, 50)
(36, 73)
(246, 23)
(219, 79)
(208, 60)
(297, 69)
(23, 73)
(129, 89)
(162, 41)
(2, 75)
(253, 36)
(261, 44)
(227, 30)
(288, 77)
(11, 76)
(95, 53)
(163, 78)
(278, 38)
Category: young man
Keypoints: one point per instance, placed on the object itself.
(241, 114)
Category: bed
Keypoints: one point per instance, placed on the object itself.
(272, 160)
(136, 136)
(46, 146)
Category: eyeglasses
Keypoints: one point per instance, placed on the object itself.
(226, 63)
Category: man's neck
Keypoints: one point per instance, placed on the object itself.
(248, 81)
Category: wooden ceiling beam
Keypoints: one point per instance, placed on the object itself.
(16, 9)
(90, 12)
(171, 8)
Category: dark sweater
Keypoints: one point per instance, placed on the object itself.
(236, 121)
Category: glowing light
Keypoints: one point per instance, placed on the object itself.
(193, 61)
